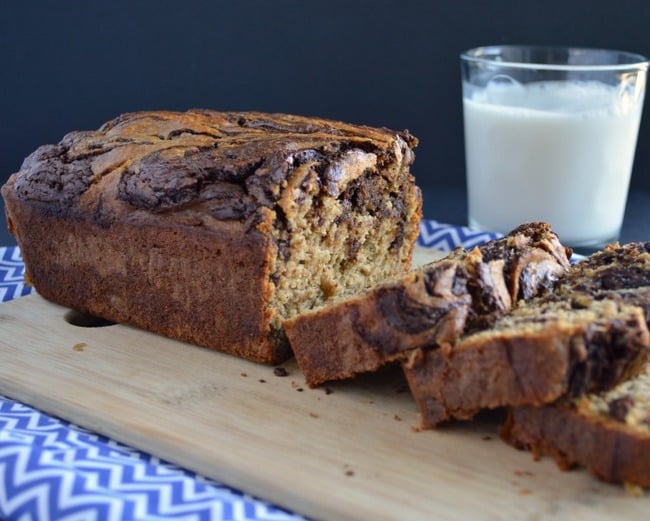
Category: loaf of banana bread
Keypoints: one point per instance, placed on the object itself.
(432, 305)
(212, 227)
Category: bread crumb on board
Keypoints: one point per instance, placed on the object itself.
(633, 490)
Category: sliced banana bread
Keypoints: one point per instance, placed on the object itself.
(433, 305)
(606, 432)
(539, 352)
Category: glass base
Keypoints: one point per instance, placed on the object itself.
(584, 248)
(587, 249)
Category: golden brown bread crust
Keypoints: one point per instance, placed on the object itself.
(213, 227)
(536, 354)
(432, 305)
(610, 450)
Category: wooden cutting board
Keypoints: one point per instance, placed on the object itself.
(347, 451)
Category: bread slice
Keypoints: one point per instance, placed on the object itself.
(608, 433)
(432, 305)
(539, 352)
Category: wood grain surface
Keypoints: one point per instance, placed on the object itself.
(346, 451)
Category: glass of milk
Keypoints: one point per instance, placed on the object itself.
(550, 135)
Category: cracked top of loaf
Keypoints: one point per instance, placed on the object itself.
(233, 163)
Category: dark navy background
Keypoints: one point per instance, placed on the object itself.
(74, 64)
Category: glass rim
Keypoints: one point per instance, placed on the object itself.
(481, 55)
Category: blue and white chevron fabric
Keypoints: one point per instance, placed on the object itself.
(445, 237)
(53, 470)
(12, 275)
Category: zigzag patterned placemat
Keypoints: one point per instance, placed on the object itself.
(52, 469)
(12, 275)
(445, 237)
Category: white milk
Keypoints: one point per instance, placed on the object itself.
(552, 151)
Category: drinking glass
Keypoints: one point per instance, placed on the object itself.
(550, 135)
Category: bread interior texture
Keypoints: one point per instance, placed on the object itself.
(336, 238)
